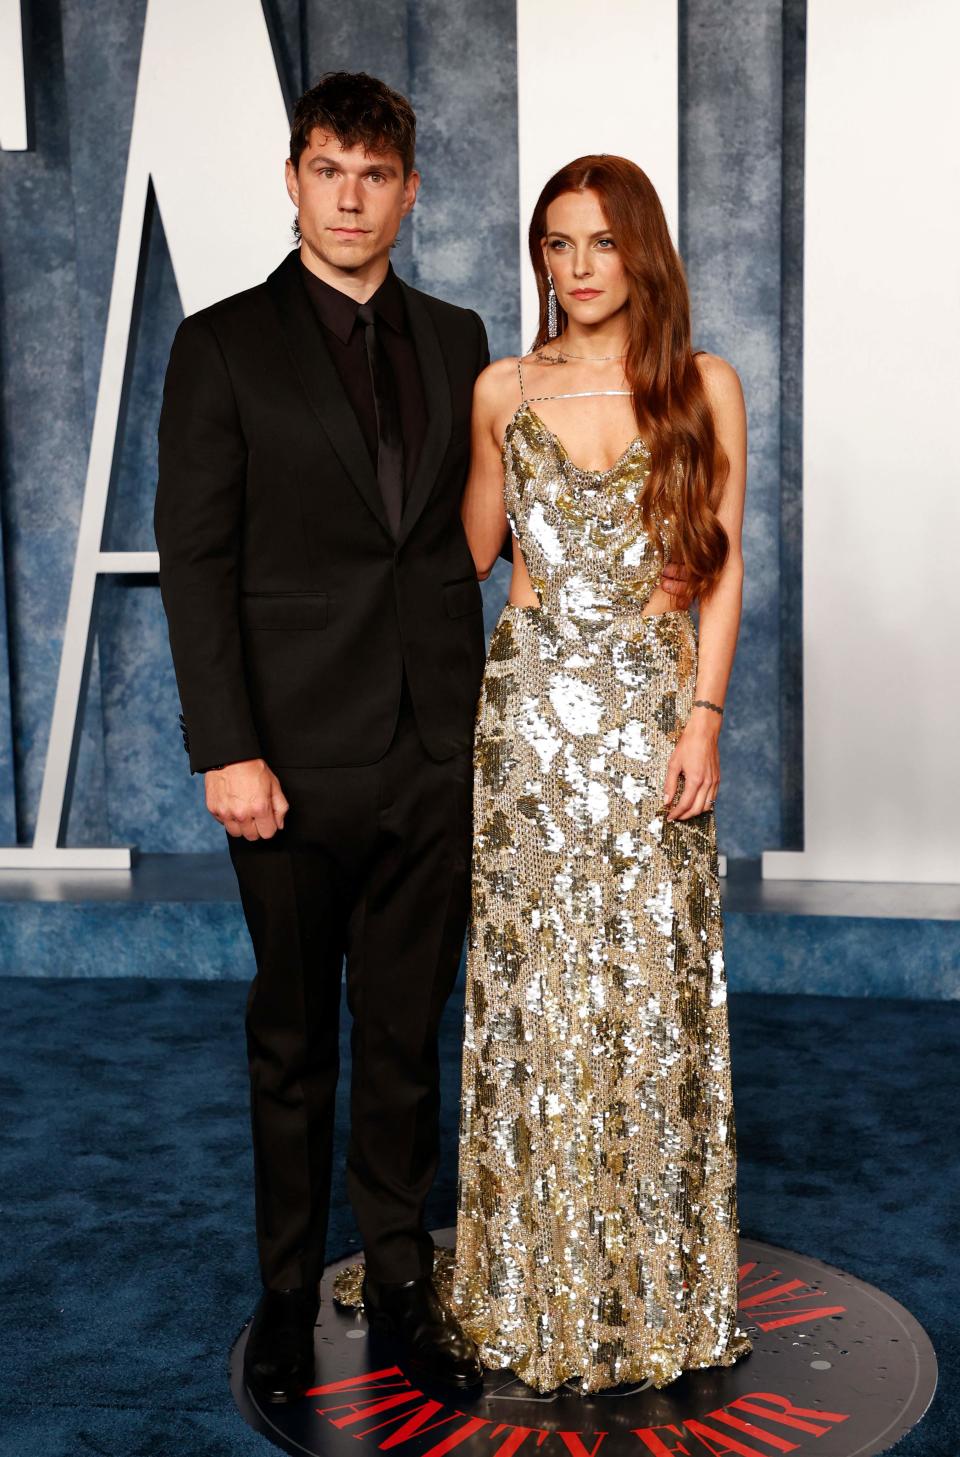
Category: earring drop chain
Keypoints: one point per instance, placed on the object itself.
(553, 325)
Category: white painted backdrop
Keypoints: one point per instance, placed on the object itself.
(578, 93)
(882, 310)
(881, 445)
(223, 204)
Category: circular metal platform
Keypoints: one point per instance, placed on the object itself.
(838, 1369)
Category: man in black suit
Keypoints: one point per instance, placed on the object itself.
(326, 628)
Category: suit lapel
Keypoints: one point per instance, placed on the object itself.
(436, 393)
(321, 382)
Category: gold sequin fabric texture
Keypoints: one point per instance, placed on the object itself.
(597, 1215)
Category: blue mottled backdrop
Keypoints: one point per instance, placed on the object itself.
(741, 118)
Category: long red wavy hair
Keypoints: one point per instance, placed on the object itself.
(688, 466)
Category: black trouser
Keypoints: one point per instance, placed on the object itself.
(373, 865)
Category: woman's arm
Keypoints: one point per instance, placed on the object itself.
(483, 512)
(697, 753)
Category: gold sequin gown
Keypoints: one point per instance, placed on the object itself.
(597, 1214)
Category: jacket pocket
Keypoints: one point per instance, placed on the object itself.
(459, 598)
(284, 611)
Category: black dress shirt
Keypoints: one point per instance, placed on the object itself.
(343, 335)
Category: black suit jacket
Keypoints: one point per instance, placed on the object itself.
(292, 609)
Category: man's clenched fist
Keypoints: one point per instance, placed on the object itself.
(247, 799)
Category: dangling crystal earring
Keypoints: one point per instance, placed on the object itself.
(553, 326)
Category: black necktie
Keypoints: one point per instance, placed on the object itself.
(389, 437)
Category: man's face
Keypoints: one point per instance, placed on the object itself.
(350, 202)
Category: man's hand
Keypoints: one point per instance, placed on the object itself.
(247, 799)
(675, 578)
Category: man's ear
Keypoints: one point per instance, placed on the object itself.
(411, 187)
(292, 181)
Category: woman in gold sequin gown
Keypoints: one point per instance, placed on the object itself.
(597, 1214)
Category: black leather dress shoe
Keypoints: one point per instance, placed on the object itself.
(411, 1313)
(278, 1358)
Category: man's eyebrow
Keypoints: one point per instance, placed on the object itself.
(321, 161)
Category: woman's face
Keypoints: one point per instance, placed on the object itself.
(588, 273)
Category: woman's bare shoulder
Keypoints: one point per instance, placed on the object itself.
(720, 379)
(501, 373)
(499, 384)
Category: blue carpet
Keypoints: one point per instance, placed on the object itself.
(127, 1261)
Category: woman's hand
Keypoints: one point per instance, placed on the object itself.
(697, 758)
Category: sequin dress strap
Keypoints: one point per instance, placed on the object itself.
(520, 373)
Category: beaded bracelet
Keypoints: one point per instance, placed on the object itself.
(705, 703)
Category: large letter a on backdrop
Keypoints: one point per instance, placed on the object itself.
(209, 136)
